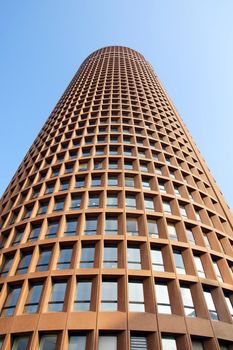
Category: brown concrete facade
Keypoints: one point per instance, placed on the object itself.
(114, 235)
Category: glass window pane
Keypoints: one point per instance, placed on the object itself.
(57, 297)
(136, 296)
(187, 301)
(87, 257)
(33, 298)
(110, 257)
(91, 226)
(64, 260)
(44, 260)
(157, 260)
(11, 301)
(109, 296)
(82, 296)
(20, 343)
(179, 262)
(48, 342)
(77, 342)
(111, 226)
(168, 343)
(132, 226)
(107, 342)
(152, 228)
(138, 342)
(163, 300)
(134, 258)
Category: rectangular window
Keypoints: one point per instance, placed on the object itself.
(179, 262)
(183, 211)
(229, 303)
(82, 299)
(34, 234)
(77, 342)
(130, 201)
(57, 297)
(134, 257)
(136, 296)
(96, 181)
(76, 202)
(48, 342)
(110, 257)
(64, 185)
(6, 266)
(145, 183)
(87, 256)
(199, 266)
(24, 263)
(44, 259)
(11, 301)
(94, 201)
(129, 181)
(157, 259)
(167, 207)
(65, 256)
(80, 182)
(149, 203)
(71, 227)
(172, 232)
(217, 271)
(162, 187)
(59, 204)
(132, 226)
(20, 342)
(18, 236)
(107, 342)
(190, 236)
(91, 226)
(197, 345)
(138, 342)
(33, 298)
(111, 225)
(109, 295)
(112, 181)
(168, 343)
(152, 228)
(163, 299)
(189, 308)
(112, 201)
(43, 208)
(210, 305)
(52, 229)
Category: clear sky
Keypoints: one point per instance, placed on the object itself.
(188, 42)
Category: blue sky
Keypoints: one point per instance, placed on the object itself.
(189, 43)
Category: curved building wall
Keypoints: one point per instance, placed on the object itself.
(114, 234)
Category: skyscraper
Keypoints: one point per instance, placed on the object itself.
(114, 234)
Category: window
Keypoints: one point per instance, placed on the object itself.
(24, 263)
(177, 190)
(48, 342)
(138, 342)
(190, 236)
(87, 256)
(71, 226)
(52, 229)
(163, 300)
(198, 217)
(110, 257)
(80, 182)
(199, 266)
(210, 305)
(64, 185)
(134, 257)
(94, 201)
(162, 187)
(168, 343)
(128, 165)
(132, 226)
(183, 211)
(34, 234)
(83, 166)
(167, 207)
(189, 309)
(136, 296)
(57, 296)
(112, 181)
(49, 188)
(11, 301)
(111, 225)
(77, 342)
(96, 181)
(18, 236)
(217, 271)
(107, 342)
(152, 228)
(112, 200)
(20, 342)
(130, 201)
(145, 183)
(98, 165)
(113, 164)
(59, 204)
(76, 202)
(43, 208)
(172, 232)
(82, 295)
(65, 256)
(6, 266)
(197, 345)
(179, 262)
(27, 212)
(206, 240)
(157, 259)
(91, 226)
(229, 303)
(44, 259)
(33, 298)
(109, 295)
(129, 181)
(149, 203)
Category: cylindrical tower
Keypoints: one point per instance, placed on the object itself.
(114, 234)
